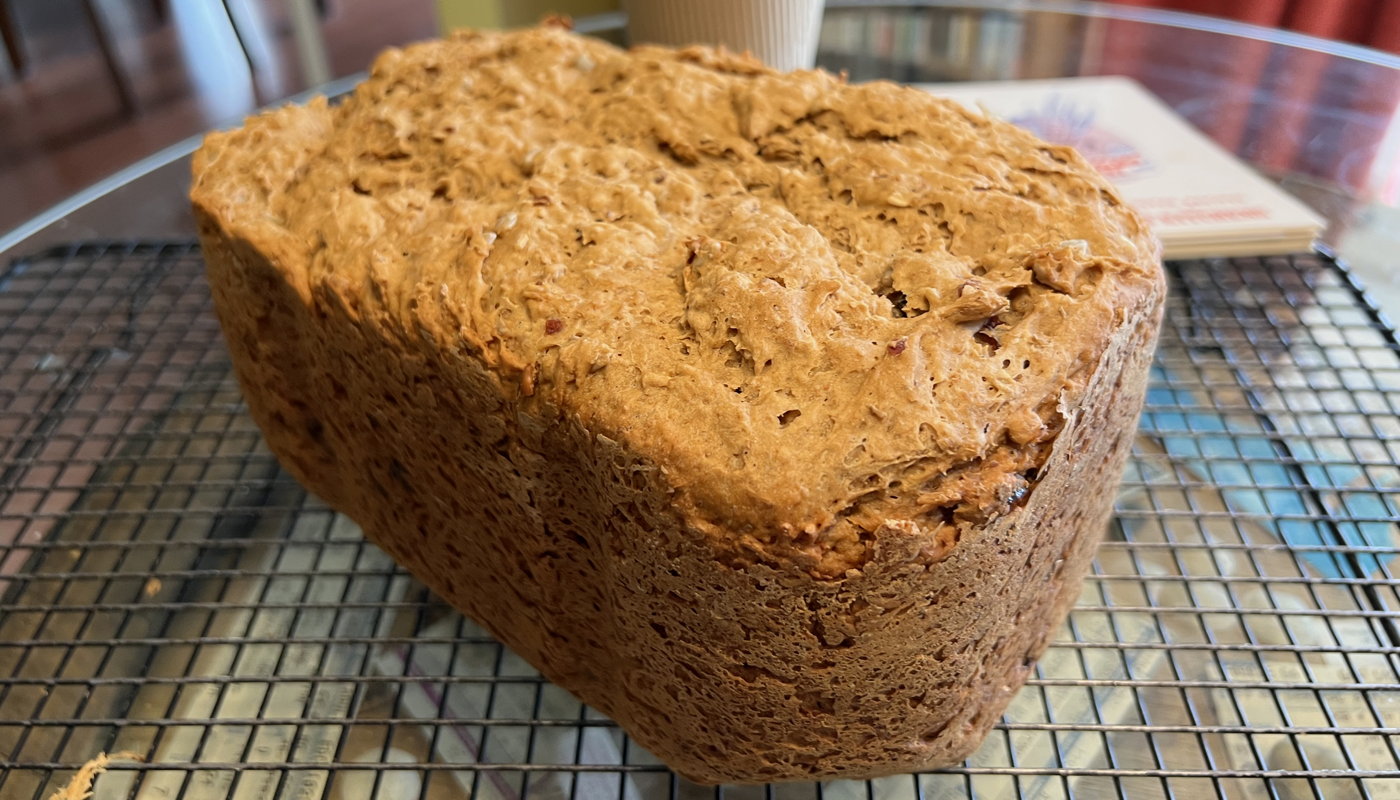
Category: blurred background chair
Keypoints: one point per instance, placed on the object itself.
(90, 86)
(13, 39)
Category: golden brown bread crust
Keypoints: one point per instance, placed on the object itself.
(772, 416)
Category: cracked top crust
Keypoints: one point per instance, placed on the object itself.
(825, 312)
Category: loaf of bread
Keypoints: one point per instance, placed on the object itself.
(776, 417)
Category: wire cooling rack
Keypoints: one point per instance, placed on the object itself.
(168, 590)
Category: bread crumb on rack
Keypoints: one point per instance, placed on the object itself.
(80, 786)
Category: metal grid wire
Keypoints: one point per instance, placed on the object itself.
(168, 590)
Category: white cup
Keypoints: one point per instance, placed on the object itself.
(781, 33)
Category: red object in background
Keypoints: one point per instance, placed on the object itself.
(1374, 23)
(1287, 111)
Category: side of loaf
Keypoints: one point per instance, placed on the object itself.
(782, 431)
